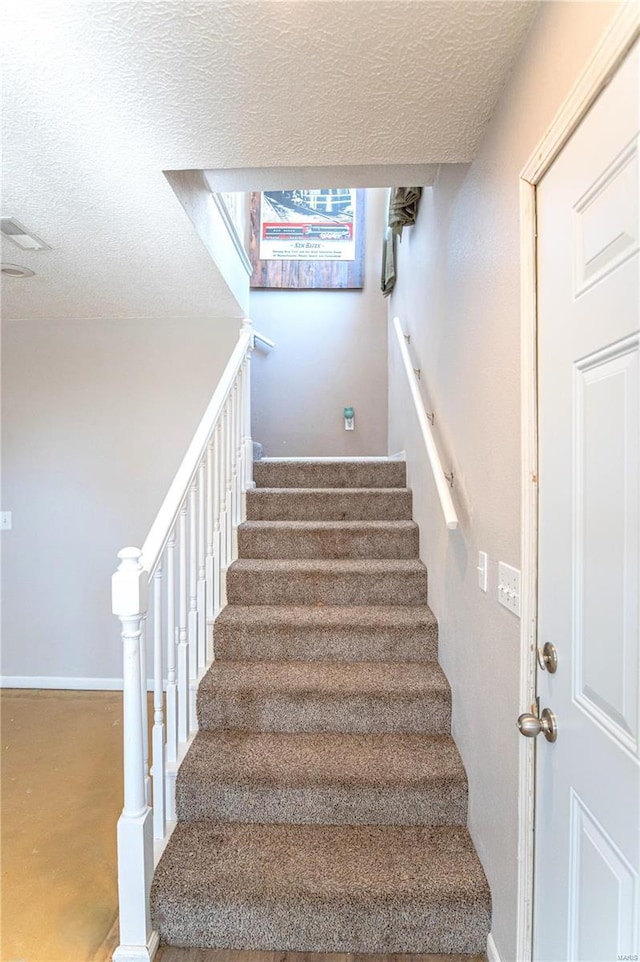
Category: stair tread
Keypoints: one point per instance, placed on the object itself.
(330, 565)
(359, 862)
(330, 616)
(326, 633)
(339, 473)
(325, 492)
(174, 953)
(284, 525)
(329, 504)
(285, 760)
(230, 883)
(358, 678)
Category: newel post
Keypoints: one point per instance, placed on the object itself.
(138, 942)
(247, 442)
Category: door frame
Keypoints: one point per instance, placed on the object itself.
(608, 56)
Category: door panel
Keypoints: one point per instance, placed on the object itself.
(605, 229)
(606, 462)
(587, 854)
(599, 867)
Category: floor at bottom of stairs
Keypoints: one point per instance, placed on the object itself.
(61, 798)
(169, 954)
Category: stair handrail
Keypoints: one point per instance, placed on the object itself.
(182, 568)
(156, 539)
(443, 486)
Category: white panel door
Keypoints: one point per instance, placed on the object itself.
(587, 850)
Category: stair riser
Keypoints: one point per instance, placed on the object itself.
(304, 474)
(332, 925)
(337, 543)
(268, 505)
(315, 588)
(316, 711)
(256, 643)
(332, 805)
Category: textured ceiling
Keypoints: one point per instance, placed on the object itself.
(101, 96)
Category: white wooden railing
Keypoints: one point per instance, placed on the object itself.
(442, 481)
(171, 590)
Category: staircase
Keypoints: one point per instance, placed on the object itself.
(322, 805)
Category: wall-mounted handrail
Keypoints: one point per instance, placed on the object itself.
(442, 484)
(172, 590)
(264, 340)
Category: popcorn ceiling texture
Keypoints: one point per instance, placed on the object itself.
(104, 96)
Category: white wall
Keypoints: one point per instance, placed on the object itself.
(96, 416)
(458, 295)
(331, 353)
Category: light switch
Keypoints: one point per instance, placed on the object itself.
(509, 587)
(5, 521)
(482, 570)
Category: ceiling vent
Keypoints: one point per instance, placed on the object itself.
(15, 232)
(14, 270)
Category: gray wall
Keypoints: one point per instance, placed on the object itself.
(331, 353)
(458, 295)
(96, 416)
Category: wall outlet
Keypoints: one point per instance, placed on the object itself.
(509, 587)
(5, 521)
(483, 566)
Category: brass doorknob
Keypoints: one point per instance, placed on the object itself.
(530, 725)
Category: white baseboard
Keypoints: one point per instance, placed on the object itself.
(65, 684)
(492, 952)
(398, 456)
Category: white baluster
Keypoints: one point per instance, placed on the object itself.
(248, 442)
(223, 485)
(224, 500)
(172, 694)
(237, 456)
(217, 509)
(145, 713)
(228, 459)
(135, 829)
(172, 690)
(202, 573)
(183, 648)
(233, 550)
(209, 563)
(157, 736)
(193, 604)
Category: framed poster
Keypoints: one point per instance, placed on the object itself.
(308, 239)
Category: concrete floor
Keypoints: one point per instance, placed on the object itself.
(61, 798)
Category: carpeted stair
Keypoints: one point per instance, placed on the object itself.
(322, 805)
